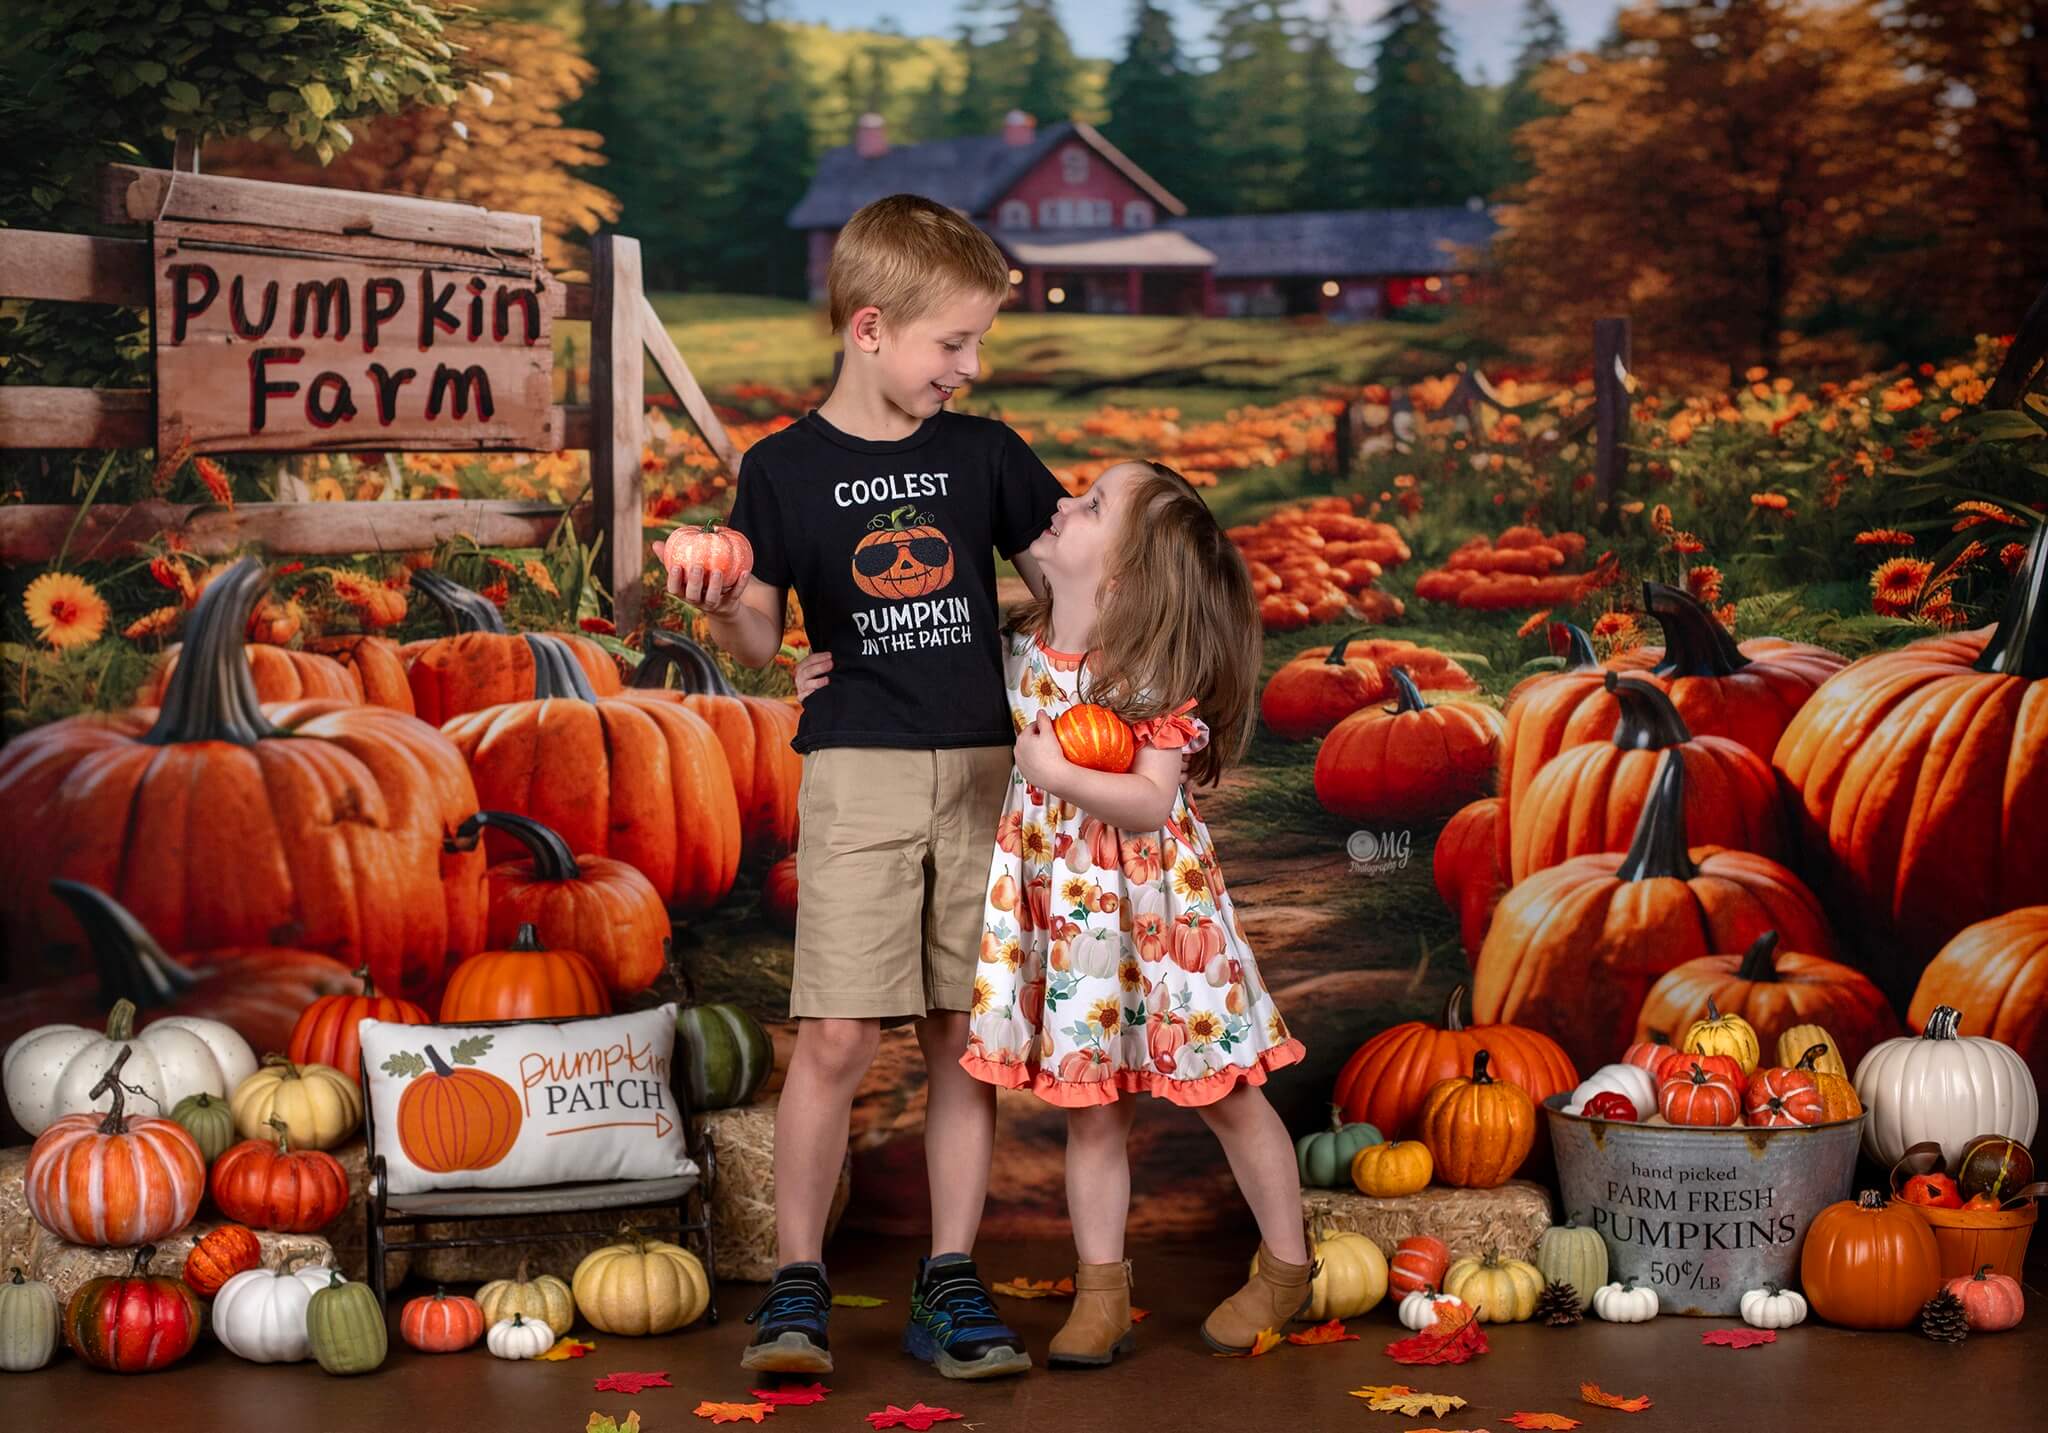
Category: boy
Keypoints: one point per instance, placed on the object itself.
(881, 508)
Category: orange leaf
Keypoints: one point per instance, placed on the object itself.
(1599, 1397)
(567, 1348)
(1026, 1288)
(1266, 1342)
(734, 1412)
(1542, 1420)
(1331, 1332)
(1381, 1390)
(1139, 1315)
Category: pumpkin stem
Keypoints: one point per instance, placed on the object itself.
(1813, 1053)
(1981, 1273)
(1479, 1059)
(1454, 1008)
(528, 937)
(121, 1020)
(111, 1080)
(1695, 642)
(552, 859)
(1648, 720)
(284, 1143)
(1336, 657)
(15, 1275)
(142, 1258)
(1336, 1119)
(519, 1276)
(697, 671)
(556, 672)
(284, 1062)
(1408, 698)
(362, 973)
(1571, 641)
(1713, 1014)
(1941, 1025)
(2019, 647)
(1871, 1199)
(442, 1069)
(1758, 962)
(335, 1278)
(212, 695)
(465, 611)
(131, 964)
(1658, 847)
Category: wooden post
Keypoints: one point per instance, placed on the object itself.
(185, 153)
(1134, 290)
(1346, 437)
(618, 395)
(1611, 409)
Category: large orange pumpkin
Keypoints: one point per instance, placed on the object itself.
(602, 909)
(779, 894)
(454, 1116)
(1996, 973)
(483, 665)
(376, 665)
(325, 1033)
(644, 782)
(755, 732)
(1410, 761)
(1323, 685)
(110, 1179)
(220, 822)
(1478, 1130)
(524, 981)
(280, 674)
(1466, 865)
(1773, 990)
(1573, 950)
(1589, 797)
(1868, 1263)
(1387, 1078)
(1920, 780)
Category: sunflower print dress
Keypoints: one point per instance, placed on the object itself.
(1112, 961)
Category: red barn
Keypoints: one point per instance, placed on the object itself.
(1087, 230)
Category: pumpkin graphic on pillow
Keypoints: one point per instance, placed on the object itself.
(452, 1116)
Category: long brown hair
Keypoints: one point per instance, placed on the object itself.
(1178, 620)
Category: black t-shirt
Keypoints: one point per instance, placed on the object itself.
(890, 547)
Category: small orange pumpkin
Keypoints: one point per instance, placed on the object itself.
(1095, 737)
(219, 1255)
(1478, 1130)
(441, 1322)
(527, 981)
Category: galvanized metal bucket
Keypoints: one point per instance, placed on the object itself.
(1700, 1215)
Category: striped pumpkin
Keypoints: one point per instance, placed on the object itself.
(108, 1179)
(725, 1053)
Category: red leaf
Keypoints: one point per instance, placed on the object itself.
(1599, 1397)
(1541, 1420)
(1453, 1338)
(791, 1397)
(632, 1382)
(1739, 1338)
(916, 1416)
(1331, 1332)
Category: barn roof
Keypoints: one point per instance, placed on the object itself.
(1102, 248)
(1323, 243)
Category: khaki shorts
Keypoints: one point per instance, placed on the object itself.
(892, 862)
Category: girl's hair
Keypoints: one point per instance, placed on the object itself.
(1178, 619)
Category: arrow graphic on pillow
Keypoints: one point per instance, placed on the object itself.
(661, 1124)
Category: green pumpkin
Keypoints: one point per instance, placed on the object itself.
(725, 1055)
(28, 1324)
(345, 1325)
(209, 1121)
(1569, 1253)
(1325, 1156)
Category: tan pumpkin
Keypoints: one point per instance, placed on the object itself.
(1497, 1290)
(1478, 1130)
(319, 1105)
(543, 1299)
(1388, 1171)
(1795, 1042)
(1838, 1097)
(640, 1286)
(1350, 1275)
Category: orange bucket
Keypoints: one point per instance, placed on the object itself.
(1971, 1238)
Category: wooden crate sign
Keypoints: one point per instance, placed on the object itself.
(278, 347)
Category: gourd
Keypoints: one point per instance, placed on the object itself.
(1478, 1130)
(519, 1337)
(345, 1325)
(1324, 1157)
(319, 1105)
(1388, 1171)
(1771, 1307)
(134, 1322)
(1991, 1302)
(210, 1122)
(1635, 1083)
(1943, 1087)
(1419, 1262)
(113, 1180)
(724, 1053)
(1625, 1303)
(545, 1298)
(1795, 1042)
(260, 1314)
(640, 1286)
(218, 1256)
(49, 1071)
(1570, 1253)
(1719, 1034)
(1837, 1096)
(1419, 1308)
(1497, 1290)
(445, 1323)
(29, 1320)
(1350, 1276)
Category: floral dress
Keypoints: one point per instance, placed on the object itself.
(1112, 960)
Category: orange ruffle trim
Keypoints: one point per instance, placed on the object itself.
(1172, 731)
(1084, 1094)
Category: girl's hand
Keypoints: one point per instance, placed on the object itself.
(810, 673)
(1039, 755)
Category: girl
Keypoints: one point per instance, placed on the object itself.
(1112, 963)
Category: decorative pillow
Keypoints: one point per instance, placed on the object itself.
(524, 1102)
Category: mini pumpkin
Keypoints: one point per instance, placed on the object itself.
(1778, 1097)
(1418, 1309)
(1944, 1087)
(132, 1323)
(1419, 1263)
(345, 1326)
(1388, 1171)
(218, 1256)
(267, 1184)
(1771, 1307)
(1719, 1034)
(1633, 1082)
(444, 1323)
(319, 1105)
(1570, 1253)
(1700, 1090)
(1991, 1302)
(260, 1314)
(1350, 1276)
(1497, 1290)
(525, 981)
(1324, 1157)
(1478, 1130)
(543, 1297)
(519, 1337)
(110, 1180)
(1837, 1096)
(209, 1120)
(1623, 1302)
(29, 1323)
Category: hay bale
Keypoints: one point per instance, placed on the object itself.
(743, 1199)
(1509, 1219)
(17, 1225)
(65, 1266)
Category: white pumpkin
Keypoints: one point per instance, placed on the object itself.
(49, 1071)
(1943, 1087)
(1773, 1308)
(1091, 953)
(519, 1337)
(1620, 1303)
(260, 1314)
(1632, 1081)
(1418, 1308)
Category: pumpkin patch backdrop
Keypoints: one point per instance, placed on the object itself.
(1599, 704)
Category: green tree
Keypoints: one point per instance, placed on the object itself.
(1424, 134)
(1543, 39)
(1332, 114)
(1039, 62)
(979, 103)
(1154, 116)
(1253, 98)
(931, 117)
(761, 253)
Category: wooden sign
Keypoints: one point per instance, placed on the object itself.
(273, 340)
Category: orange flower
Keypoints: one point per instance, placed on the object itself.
(2012, 555)
(1895, 584)
(497, 592)
(1777, 501)
(1902, 395)
(1534, 624)
(1704, 582)
(1976, 512)
(65, 610)
(153, 624)
(1618, 627)
(1686, 544)
(1660, 518)
(540, 577)
(1884, 537)
(216, 479)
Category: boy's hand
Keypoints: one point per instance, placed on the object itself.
(703, 589)
(810, 673)
(1039, 755)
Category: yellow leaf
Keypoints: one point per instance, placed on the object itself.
(1381, 1390)
(1024, 1288)
(1410, 1402)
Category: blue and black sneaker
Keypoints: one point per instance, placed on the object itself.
(791, 1337)
(953, 1325)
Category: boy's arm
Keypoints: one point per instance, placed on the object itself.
(751, 628)
(1028, 569)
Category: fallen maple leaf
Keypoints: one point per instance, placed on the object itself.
(1467, 1341)
(916, 1416)
(791, 1397)
(1023, 1288)
(1408, 1401)
(605, 1423)
(632, 1382)
(734, 1412)
(858, 1301)
(1380, 1390)
(1739, 1338)
(567, 1348)
(1139, 1315)
(1599, 1397)
(1265, 1342)
(1331, 1332)
(1542, 1420)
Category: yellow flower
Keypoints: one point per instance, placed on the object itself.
(1204, 1026)
(328, 490)
(1129, 974)
(66, 610)
(1276, 1029)
(540, 577)
(1190, 880)
(1077, 891)
(1106, 1015)
(984, 996)
(1033, 844)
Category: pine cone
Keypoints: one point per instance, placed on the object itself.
(1558, 1305)
(1941, 1317)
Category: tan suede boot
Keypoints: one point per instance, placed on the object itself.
(1275, 1293)
(1100, 1326)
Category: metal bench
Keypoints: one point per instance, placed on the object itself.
(382, 1208)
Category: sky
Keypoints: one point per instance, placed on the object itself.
(1485, 30)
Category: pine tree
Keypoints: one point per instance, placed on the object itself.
(979, 103)
(761, 254)
(1423, 140)
(1331, 111)
(1039, 60)
(930, 118)
(1153, 116)
(1253, 99)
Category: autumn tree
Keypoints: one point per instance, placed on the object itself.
(1708, 178)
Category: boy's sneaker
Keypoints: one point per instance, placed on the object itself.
(791, 1337)
(953, 1325)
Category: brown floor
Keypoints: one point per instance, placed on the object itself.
(1813, 1380)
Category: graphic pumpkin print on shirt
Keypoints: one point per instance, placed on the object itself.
(904, 556)
(1112, 961)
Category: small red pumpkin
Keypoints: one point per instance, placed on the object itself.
(1991, 1302)
(1700, 1090)
(441, 1323)
(1934, 1190)
(218, 1256)
(1611, 1105)
(269, 1185)
(1419, 1263)
(133, 1322)
(326, 1030)
(1779, 1096)
(1647, 1054)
